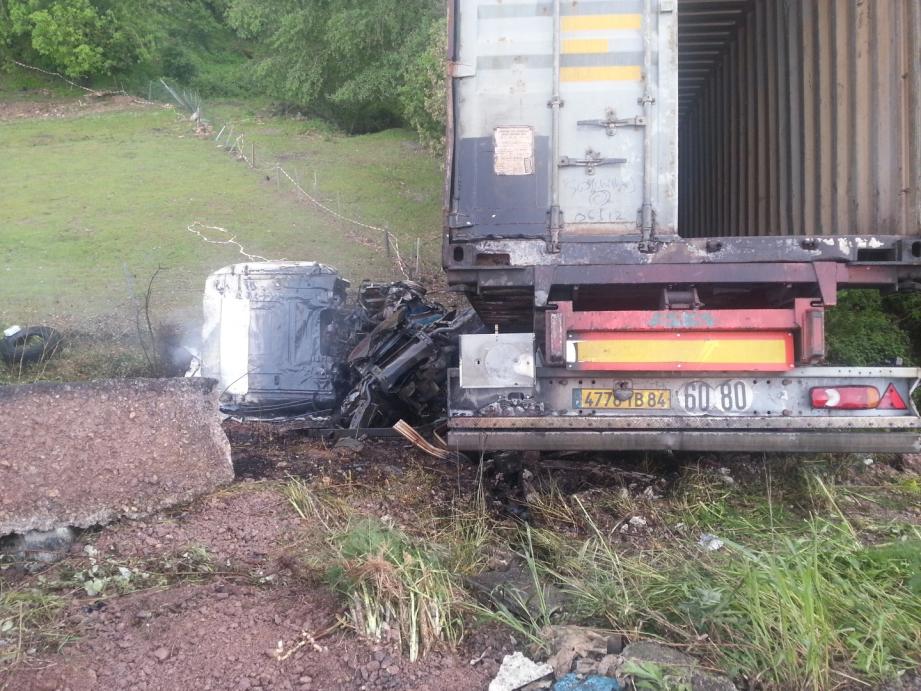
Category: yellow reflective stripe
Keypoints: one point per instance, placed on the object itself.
(602, 22)
(585, 45)
(726, 352)
(630, 73)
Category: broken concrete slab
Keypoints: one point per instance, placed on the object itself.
(517, 671)
(88, 453)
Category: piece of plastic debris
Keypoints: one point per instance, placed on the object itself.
(868, 461)
(638, 522)
(517, 671)
(593, 682)
(709, 542)
(407, 431)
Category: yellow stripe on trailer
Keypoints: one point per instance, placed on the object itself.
(573, 46)
(601, 22)
(628, 73)
(768, 351)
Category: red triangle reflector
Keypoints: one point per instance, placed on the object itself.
(892, 400)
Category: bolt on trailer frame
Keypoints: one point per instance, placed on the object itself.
(611, 331)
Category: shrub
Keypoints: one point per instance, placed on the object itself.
(860, 332)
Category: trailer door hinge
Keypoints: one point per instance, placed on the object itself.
(592, 160)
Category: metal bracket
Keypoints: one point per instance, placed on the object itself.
(592, 160)
(612, 122)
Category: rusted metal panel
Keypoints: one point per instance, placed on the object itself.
(805, 120)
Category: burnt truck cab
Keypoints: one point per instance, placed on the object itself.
(609, 330)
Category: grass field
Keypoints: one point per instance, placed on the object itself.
(94, 203)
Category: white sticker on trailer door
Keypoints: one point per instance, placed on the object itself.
(514, 151)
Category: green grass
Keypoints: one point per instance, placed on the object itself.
(395, 587)
(346, 172)
(807, 591)
(93, 205)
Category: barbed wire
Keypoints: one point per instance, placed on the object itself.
(95, 92)
(195, 227)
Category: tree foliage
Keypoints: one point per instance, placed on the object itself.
(92, 39)
(349, 60)
(364, 64)
(74, 36)
(423, 91)
(862, 332)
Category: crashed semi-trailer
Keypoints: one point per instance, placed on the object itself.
(651, 204)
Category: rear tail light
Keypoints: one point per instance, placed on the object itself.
(892, 400)
(847, 397)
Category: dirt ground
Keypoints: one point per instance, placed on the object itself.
(258, 618)
(53, 108)
(225, 631)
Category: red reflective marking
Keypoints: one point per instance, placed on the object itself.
(892, 400)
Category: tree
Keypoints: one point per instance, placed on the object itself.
(74, 37)
(343, 59)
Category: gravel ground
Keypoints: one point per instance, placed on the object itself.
(223, 631)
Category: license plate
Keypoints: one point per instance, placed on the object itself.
(639, 399)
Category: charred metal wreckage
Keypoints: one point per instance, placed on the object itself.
(286, 344)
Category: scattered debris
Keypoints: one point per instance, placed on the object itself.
(675, 668)
(586, 659)
(85, 454)
(420, 442)
(582, 650)
(479, 658)
(635, 523)
(516, 590)
(592, 682)
(725, 476)
(518, 671)
(711, 543)
(37, 548)
(306, 638)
